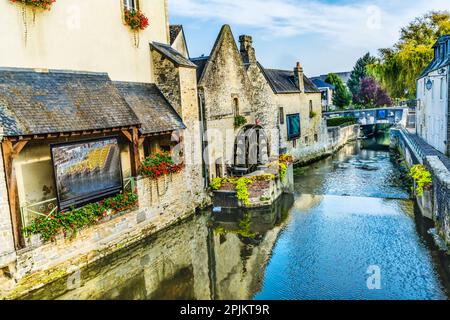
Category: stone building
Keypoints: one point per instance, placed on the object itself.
(236, 105)
(299, 111)
(433, 94)
(71, 79)
(238, 97)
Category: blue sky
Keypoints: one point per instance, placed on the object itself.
(324, 35)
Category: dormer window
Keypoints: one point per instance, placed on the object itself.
(131, 4)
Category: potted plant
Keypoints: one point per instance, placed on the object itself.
(137, 21)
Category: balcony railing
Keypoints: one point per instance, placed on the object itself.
(46, 208)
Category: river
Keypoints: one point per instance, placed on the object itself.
(350, 231)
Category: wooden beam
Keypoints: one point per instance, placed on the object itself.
(128, 135)
(13, 196)
(135, 156)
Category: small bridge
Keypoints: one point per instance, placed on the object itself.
(392, 116)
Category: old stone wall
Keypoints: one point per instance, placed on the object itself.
(161, 203)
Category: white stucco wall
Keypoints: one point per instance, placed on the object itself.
(82, 35)
(432, 112)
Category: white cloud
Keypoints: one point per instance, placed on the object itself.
(368, 24)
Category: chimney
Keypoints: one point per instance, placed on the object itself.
(298, 74)
(247, 50)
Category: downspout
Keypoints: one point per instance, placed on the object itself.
(203, 142)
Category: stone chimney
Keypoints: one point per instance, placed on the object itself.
(298, 75)
(247, 50)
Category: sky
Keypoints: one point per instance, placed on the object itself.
(324, 35)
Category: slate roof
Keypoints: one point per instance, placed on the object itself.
(283, 81)
(438, 63)
(172, 55)
(201, 63)
(60, 101)
(153, 110)
(174, 31)
(322, 84)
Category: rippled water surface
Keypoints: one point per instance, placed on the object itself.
(350, 213)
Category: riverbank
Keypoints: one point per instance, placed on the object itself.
(435, 201)
(162, 202)
(315, 244)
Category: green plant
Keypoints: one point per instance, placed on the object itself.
(69, 222)
(422, 177)
(335, 122)
(40, 4)
(283, 171)
(242, 190)
(159, 164)
(239, 121)
(216, 183)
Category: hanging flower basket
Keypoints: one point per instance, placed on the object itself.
(39, 4)
(33, 4)
(137, 21)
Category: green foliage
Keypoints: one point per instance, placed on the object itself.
(399, 66)
(283, 171)
(335, 122)
(242, 190)
(422, 177)
(216, 183)
(341, 95)
(239, 121)
(360, 71)
(244, 228)
(70, 222)
(312, 114)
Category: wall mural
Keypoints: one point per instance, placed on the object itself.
(86, 171)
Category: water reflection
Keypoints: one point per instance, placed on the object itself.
(350, 211)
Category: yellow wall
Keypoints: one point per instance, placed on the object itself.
(299, 103)
(82, 35)
(180, 45)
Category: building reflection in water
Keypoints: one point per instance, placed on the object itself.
(205, 257)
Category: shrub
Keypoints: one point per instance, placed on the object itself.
(422, 178)
(242, 190)
(335, 122)
(239, 121)
(216, 183)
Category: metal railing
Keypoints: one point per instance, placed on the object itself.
(46, 208)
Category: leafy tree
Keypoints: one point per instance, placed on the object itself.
(359, 72)
(399, 66)
(372, 95)
(341, 95)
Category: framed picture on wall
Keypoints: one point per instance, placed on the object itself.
(86, 171)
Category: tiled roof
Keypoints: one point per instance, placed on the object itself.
(174, 31)
(438, 62)
(172, 55)
(60, 101)
(153, 110)
(322, 84)
(283, 81)
(201, 63)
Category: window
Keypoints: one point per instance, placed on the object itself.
(294, 143)
(293, 126)
(310, 106)
(236, 107)
(281, 115)
(441, 89)
(131, 4)
(316, 137)
(306, 140)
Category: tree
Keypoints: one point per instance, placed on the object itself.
(359, 72)
(341, 95)
(372, 95)
(399, 67)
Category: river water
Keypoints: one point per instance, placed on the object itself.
(350, 231)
